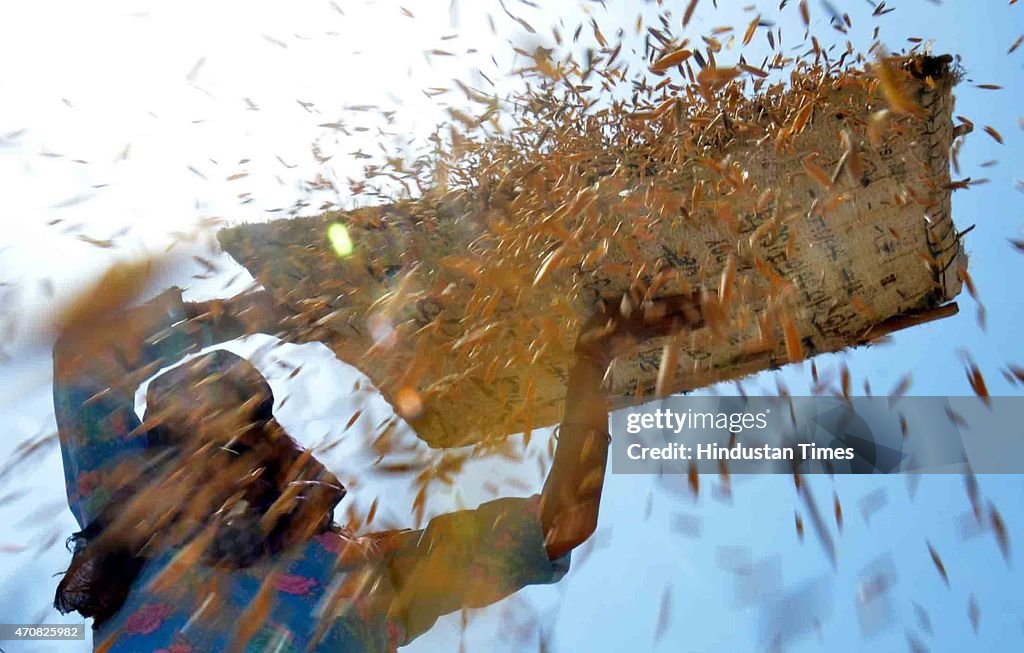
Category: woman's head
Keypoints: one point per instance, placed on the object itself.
(215, 414)
(218, 397)
(223, 468)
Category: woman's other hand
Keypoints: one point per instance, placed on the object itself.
(244, 314)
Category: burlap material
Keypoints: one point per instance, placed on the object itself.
(421, 306)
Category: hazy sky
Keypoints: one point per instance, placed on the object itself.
(125, 120)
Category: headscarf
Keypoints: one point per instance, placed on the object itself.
(219, 466)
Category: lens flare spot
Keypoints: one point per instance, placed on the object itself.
(341, 242)
(408, 403)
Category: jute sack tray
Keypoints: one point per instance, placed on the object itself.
(440, 302)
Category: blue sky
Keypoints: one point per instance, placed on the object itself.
(87, 82)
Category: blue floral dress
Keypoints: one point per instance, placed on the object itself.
(333, 593)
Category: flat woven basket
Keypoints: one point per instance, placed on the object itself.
(423, 307)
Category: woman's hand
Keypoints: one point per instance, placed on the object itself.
(572, 492)
(619, 330)
(244, 314)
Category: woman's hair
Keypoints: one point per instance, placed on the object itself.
(101, 573)
(223, 468)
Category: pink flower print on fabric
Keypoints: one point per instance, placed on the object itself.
(147, 619)
(294, 584)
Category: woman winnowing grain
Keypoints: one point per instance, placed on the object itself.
(207, 528)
